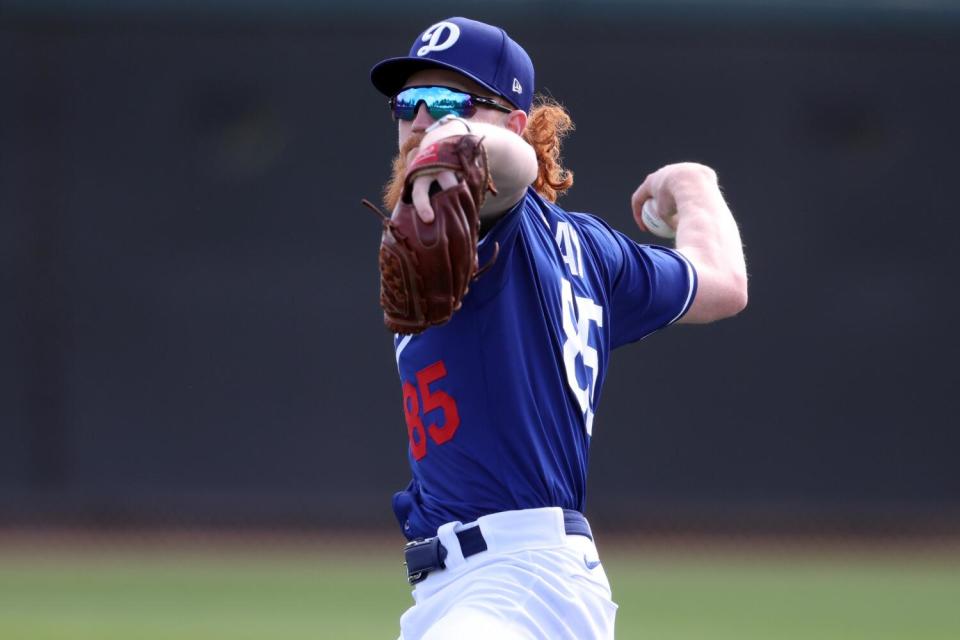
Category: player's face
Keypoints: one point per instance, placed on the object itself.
(445, 78)
(411, 132)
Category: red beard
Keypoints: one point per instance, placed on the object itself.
(393, 189)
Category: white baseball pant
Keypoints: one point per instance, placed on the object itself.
(534, 581)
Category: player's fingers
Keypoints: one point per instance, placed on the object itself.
(447, 179)
(638, 218)
(641, 195)
(421, 198)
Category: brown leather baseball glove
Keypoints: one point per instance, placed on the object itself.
(426, 268)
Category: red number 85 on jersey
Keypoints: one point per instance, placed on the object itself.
(416, 405)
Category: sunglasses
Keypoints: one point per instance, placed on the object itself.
(440, 101)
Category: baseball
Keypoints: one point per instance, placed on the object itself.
(654, 222)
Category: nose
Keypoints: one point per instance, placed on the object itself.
(422, 119)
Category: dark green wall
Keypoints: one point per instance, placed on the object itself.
(190, 330)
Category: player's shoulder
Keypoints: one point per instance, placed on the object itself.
(592, 225)
(591, 231)
(552, 213)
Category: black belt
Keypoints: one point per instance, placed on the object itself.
(423, 556)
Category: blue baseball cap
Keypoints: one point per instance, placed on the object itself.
(480, 51)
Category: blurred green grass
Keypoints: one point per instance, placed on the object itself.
(53, 592)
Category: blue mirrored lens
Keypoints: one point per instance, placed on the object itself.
(439, 101)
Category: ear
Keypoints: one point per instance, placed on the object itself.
(516, 121)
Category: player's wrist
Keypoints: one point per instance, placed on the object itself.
(693, 194)
(449, 119)
(446, 127)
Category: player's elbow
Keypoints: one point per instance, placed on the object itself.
(735, 291)
(732, 295)
(719, 296)
(737, 296)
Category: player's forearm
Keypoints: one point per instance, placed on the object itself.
(512, 162)
(707, 235)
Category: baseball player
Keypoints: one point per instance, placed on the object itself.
(499, 395)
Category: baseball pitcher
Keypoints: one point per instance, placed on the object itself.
(505, 309)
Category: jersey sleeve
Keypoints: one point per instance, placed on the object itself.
(649, 286)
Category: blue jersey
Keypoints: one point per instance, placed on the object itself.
(499, 401)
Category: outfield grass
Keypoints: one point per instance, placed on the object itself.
(266, 591)
(827, 596)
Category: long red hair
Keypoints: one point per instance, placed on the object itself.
(547, 125)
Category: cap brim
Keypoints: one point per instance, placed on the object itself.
(390, 75)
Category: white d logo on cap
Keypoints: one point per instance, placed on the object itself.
(434, 34)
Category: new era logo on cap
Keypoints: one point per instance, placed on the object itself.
(480, 51)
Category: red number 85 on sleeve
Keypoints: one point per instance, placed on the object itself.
(421, 400)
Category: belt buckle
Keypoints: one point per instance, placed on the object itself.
(423, 556)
